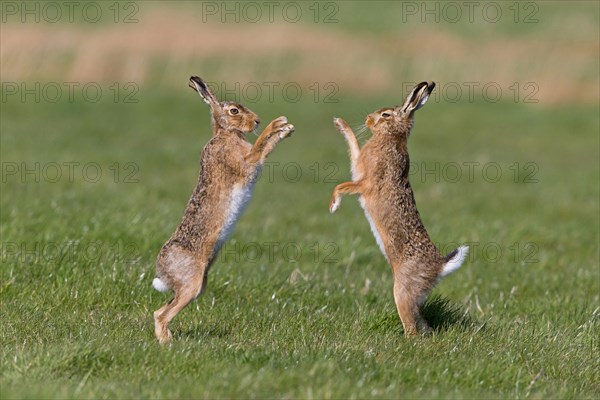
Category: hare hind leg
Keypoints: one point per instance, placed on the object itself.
(410, 312)
(187, 292)
(408, 301)
(406, 306)
(422, 324)
(190, 278)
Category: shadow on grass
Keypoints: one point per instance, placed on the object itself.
(440, 312)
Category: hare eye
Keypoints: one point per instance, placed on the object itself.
(234, 111)
(386, 115)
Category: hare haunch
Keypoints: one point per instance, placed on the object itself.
(380, 176)
(230, 166)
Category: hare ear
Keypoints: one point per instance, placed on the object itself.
(216, 111)
(418, 97)
(204, 91)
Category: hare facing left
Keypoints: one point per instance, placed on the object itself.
(380, 172)
(230, 166)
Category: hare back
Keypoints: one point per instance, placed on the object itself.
(389, 202)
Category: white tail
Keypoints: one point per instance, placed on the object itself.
(455, 262)
(160, 285)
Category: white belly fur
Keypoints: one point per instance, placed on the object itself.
(238, 201)
(373, 227)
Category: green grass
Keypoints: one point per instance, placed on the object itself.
(78, 259)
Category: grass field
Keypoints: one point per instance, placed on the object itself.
(299, 304)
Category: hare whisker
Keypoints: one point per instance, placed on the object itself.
(361, 131)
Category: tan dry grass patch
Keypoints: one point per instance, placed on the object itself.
(283, 52)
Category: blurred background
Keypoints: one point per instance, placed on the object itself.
(366, 49)
(100, 141)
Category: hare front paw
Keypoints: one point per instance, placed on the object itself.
(340, 124)
(286, 131)
(334, 204)
(281, 127)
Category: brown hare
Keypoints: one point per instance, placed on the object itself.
(380, 178)
(230, 166)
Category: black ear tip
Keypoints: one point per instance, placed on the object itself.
(429, 85)
(198, 80)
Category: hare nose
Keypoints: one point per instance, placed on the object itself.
(257, 121)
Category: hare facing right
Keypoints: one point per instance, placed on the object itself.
(230, 166)
(380, 176)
